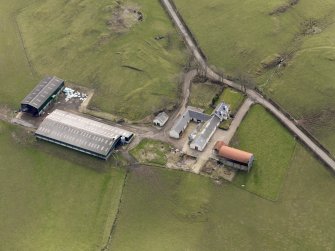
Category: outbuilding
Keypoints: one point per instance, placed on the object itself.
(161, 119)
(200, 138)
(38, 100)
(82, 134)
(191, 114)
(232, 157)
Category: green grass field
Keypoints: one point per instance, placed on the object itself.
(246, 39)
(306, 86)
(169, 210)
(233, 98)
(50, 203)
(238, 37)
(202, 94)
(273, 147)
(16, 77)
(78, 41)
(151, 152)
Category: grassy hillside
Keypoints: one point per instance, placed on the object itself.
(49, 203)
(168, 210)
(104, 45)
(250, 39)
(16, 77)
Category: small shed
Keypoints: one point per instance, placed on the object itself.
(161, 119)
(38, 100)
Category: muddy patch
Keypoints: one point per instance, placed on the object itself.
(23, 137)
(323, 120)
(310, 27)
(123, 17)
(218, 171)
(5, 113)
(180, 161)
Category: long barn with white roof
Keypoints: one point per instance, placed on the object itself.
(82, 134)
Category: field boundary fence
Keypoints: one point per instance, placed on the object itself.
(22, 41)
(194, 40)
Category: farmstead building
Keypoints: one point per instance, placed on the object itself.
(38, 100)
(200, 137)
(208, 124)
(232, 157)
(82, 134)
(161, 119)
(191, 114)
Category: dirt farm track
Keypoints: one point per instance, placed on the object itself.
(190, 41)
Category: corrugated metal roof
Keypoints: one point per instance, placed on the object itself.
(80, 132)
(162, 118)
(234, 154)
(42, 91)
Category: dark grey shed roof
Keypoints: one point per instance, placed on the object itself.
(198, 115)
(80, 132)
(37, 97)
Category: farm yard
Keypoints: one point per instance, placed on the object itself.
(293, 63)
(145, 197)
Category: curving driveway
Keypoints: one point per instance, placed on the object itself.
(251, 93)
